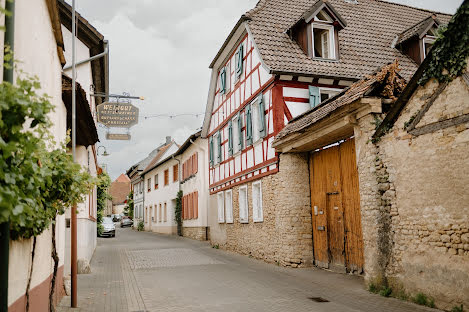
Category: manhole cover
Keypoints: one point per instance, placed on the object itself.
(319, 299)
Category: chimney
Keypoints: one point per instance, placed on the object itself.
(168, 139)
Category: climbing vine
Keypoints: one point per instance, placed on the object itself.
(451, 49)
(39, 178)
(103, 196)
(178, 212)
(129, 208)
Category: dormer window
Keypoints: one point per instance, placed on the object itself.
(317, 31)
(428, 42)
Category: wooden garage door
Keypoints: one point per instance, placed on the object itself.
(335, 202)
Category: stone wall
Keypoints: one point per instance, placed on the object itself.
(285, 235)
(198, 233)
(415, 200)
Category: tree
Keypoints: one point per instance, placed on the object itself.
(129, 208)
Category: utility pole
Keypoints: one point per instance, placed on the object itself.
(73, 227)
(9, 41)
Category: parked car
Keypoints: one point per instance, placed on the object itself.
(116, 217)
(109, 229)
(126, 221)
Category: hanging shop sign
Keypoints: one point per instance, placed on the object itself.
(117, 115)
(118, 136)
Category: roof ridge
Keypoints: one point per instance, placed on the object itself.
(260, 4)
(412, 7)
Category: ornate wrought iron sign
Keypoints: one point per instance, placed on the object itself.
(117, 115)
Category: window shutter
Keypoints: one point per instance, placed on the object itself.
(261, 106)
(248, 125)
(211, 150)
(230, 138)
(190, 205)
(183, 207)
(223, 81)
(314, 96)
(196, 205)
(240, 130)
(219, 148)
(196, 162)
(239, 62)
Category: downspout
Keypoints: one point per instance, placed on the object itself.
(97, 56)
(9, 40)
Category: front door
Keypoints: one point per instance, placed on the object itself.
(335, 202)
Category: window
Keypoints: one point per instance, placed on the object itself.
(258, 119)
(239, 62)
(323, 41)
(221, 208)
(229, 206)
(166, 177)
(154, 208)
(327, 93)
(159, 214)
(217, 150)
(236, 133)
(190, 167)
(428, 42)
(230, 138)
(175, 173)
(223, 81)
(165, 213)
(248, 113)
(190, 205)
(156, 181)
(211, 151)
(318, 95)
(149, 185)
(257, 213)
(243, 205)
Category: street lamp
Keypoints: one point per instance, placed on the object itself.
(105, 153)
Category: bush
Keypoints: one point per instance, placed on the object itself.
(422, 299)
(141, 226)
(457, 309)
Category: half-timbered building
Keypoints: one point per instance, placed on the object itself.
(282, 59)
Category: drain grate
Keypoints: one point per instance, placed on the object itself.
(318, 299)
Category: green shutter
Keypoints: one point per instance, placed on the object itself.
(211, 150)
(261, 107)
(240, 131)
(239, 62)
(223, 80)
(314, 96)
(248, 125)
(219, 148)
(230, 138)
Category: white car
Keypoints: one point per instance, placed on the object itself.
(109, 229)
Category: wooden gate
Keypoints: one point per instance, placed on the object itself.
(335, 202)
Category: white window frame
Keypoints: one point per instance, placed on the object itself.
(427, 39)
(257, 210)
(221, 207)
(328, 91)
(216, 150)
(229, 206)
(243, 213)
(332, 49)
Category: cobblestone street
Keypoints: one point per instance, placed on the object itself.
(139, 271)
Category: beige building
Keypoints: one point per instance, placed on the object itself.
(388, 176)
(119, 191)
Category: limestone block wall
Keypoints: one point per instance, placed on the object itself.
(285, 235)
(197, 233)
(415, 200)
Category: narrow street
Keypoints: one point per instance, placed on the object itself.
(140, 271)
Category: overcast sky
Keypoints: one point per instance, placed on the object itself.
(161, 49)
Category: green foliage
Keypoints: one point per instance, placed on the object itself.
(373, 288)
(385, 292)
(458, 308)
(129, 208)
(178, 209)
(38, 179)
(451, 49)
(216, 246)
(102, 187)
(382, 290)
(141, 226)
(422, 299)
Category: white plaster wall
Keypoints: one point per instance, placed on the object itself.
(164, 194)
(36, 51)
(198, 183)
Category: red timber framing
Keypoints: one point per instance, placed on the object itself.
(283, 100)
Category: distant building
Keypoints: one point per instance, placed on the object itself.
(119, 191)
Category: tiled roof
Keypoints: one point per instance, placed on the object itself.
(417, 29)
(158, 156)
(123, 178)
(365, 44)
(119, 192)
(348, 96)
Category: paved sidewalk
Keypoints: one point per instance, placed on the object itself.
(138, 271)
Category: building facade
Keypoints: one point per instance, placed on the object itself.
(161, 185)
(92, 78)
(32, 52)
(264, 77)
(386, 160)
(119, 191)
(193, 162)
